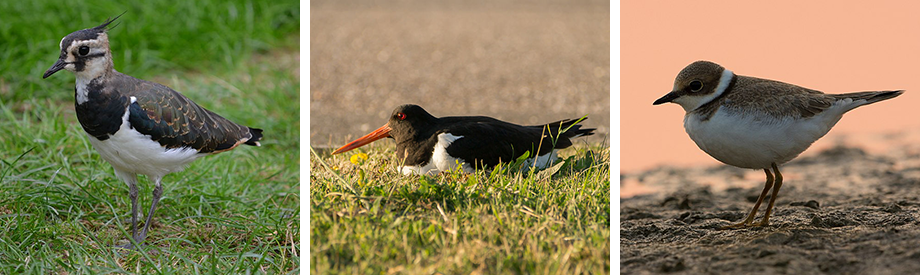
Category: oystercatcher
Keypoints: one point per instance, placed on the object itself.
(428, 145)
(137, 126)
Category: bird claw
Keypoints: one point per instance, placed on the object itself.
(745, 224)
(127, 246)
(736, 226)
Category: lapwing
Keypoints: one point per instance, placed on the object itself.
(428, 145)
(138, 126)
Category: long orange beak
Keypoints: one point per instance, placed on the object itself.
(381, 132)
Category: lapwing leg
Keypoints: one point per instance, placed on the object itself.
(131, 180)
(133, 195)
(157, 192)
(750, 217)
(779, 183)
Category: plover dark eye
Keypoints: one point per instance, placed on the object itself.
(84, 50)
(696, 86)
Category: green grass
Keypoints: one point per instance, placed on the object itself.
(366, 218)
(62, 208)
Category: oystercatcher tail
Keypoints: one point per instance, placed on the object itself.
(137, 126)
(428, 145)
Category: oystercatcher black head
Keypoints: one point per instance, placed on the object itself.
(428, 145)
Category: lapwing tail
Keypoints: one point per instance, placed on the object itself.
(256, 137)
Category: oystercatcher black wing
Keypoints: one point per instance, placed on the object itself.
(487, 141)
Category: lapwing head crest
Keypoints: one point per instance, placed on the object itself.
(698, 84)
(85, 52)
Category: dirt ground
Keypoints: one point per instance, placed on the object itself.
(841, 211)
(526, 63)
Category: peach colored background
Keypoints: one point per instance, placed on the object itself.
(842, 47)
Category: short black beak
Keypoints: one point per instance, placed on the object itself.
(59, 65)
(667, 98)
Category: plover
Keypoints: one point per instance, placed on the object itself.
(138, 126)
(757, 123)
(428, 145)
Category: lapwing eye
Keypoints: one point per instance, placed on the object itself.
(84, 50)
(401, 116)
(696, 86)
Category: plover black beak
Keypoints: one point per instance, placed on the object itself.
(667, 98)
(58, 65)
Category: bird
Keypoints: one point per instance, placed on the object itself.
(757, 123)
(427, 145)
(137, 126)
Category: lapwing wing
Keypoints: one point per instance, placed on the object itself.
(428, 145)
(138, 126)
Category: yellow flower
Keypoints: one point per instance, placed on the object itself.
(358, 158)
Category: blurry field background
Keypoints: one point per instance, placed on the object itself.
(62, 208)
(524, 62)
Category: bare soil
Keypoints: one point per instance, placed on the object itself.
(841, 211)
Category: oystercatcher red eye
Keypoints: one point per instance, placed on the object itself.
(401, 116)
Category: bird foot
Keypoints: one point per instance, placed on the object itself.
(736, 226)
(139, 240)
(127, 246)
(745, 224)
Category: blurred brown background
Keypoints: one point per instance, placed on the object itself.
(527, 62)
